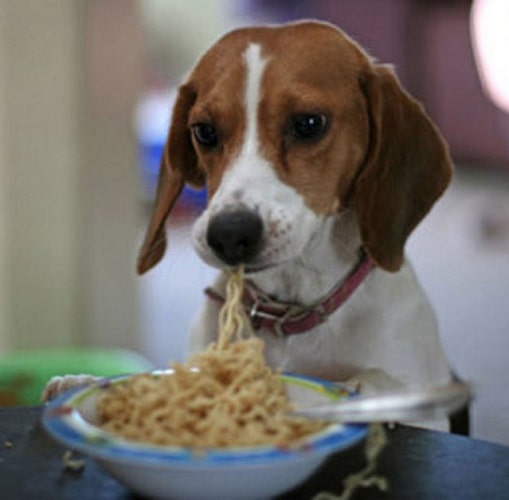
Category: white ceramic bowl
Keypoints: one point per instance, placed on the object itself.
(172, 472)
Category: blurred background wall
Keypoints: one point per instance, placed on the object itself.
(86, 89)
(70, 75)
(39, 85)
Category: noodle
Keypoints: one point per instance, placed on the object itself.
(367, 477)
(224, 396)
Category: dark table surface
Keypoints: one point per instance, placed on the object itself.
(419, 464)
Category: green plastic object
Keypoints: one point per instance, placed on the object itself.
(24, 374)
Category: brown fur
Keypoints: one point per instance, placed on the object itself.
(381, 155)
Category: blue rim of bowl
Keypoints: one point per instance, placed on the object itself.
(64, 423)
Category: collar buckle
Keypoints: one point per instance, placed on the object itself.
(258, 317)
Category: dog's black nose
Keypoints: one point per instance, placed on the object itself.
(235, 236)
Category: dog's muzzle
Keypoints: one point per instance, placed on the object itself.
(235, 236)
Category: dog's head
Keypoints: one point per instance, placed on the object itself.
(287, 126)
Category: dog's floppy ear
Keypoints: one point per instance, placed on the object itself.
(407, 168)
(179, 166)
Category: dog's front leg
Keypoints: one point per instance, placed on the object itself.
(372, 381)
(377, 381)
(59, 384)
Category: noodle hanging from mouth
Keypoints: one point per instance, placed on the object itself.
(224, 396)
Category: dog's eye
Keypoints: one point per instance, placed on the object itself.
(308, 126)
(205, 134)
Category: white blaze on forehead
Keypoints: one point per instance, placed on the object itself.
(255, 65)
(248, 168)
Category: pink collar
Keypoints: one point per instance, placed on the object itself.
(288, 319)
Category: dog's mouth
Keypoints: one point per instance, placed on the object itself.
(256, 268)
(242, 237)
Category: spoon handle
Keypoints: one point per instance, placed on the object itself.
(395, 406)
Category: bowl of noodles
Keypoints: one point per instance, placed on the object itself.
(224, 465)
(218, 426)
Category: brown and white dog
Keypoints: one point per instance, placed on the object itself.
(318, 166)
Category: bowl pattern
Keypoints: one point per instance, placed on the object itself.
(175, 472)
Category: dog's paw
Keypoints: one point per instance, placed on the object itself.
(58, 385)
(373, 381)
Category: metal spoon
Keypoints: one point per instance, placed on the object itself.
(394, 406)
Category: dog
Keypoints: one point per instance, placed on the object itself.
(318, 166)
